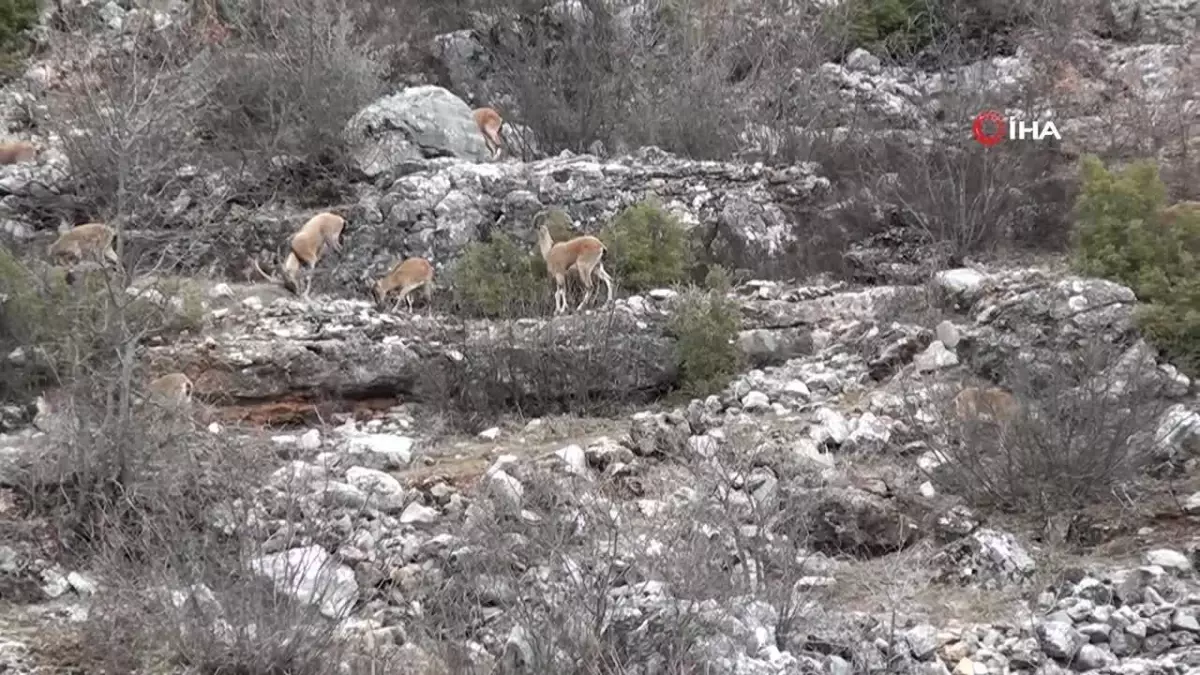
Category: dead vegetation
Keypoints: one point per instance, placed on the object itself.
(1054, 439)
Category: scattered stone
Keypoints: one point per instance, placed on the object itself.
(1059, 639)
(310, 440)
(1169, 559)
(935, 357)
(311, 575)
(755, 401)
(384, 492)
(418, 513)
(947, 334)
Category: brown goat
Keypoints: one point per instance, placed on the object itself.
(16, 152)
(990, 403)
(490, 124)
(91, 242)
(172, 388)
(307, 246)
(408, 276)
(583, 254)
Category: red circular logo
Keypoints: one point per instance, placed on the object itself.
(979, 129)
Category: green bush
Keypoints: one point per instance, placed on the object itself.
(705, 324)
(648, 248)
(16, 17)
(499, 279)
(891, 27)
(74, 327)
(1124, 233)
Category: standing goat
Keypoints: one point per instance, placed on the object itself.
(490, 124)
(583, 254)
(308, 245)
(408, 276)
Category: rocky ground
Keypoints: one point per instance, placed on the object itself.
(674, 519)
(820, 514)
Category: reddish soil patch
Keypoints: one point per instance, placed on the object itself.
(299, 411)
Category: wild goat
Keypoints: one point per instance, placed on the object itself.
(172, 388)
(990, 403)
(1180, 210)
(92, 242)
(583, 254)
(490, 125)
(16, 152)
(408, 276)
(307, 246)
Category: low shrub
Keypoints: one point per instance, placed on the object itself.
(1124, 233)
(1174, 326)
(648, 247)
(16, 17)
(499, 279)
(705, 325)
(1082, 432)
(887, 27)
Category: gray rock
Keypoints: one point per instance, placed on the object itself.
(1155, 20)
(413, 124)
(1092, 657)
(312, 576)
(416, 513)
(756, 401)
(871, 434)
(935, 357)
(961, 285)
(1169, 559)
(947, 333)
(383, 491)
(922, 641)
(1059, 639)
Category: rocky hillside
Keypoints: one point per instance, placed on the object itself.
(761, 458)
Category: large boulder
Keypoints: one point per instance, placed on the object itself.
(294, 353)
(413, 124)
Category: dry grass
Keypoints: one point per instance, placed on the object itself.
(903, 582)
(459, 459)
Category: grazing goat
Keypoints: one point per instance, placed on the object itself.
(408, 276)
(581, 253)
(308, 245)
(990, 403)
(490, 125)
(1180, 210)
(172, 388)
(16, 152)
(91, 241)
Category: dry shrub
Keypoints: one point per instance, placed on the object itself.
(118, 473)
(1084, 430)
(583, 365)
(972, 200)
(592, 585)
(125, 122)
(285, 87)
(197, 597)
(683, 76)
(62, 331)
(110, 459)
(142, 123)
